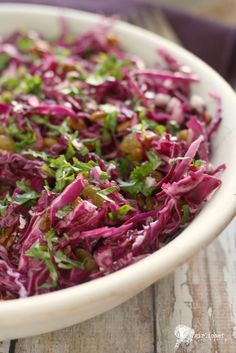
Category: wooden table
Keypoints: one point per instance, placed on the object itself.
(201, 294)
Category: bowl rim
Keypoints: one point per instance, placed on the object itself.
(155, 265)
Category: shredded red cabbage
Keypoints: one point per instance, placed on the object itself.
(102, 161)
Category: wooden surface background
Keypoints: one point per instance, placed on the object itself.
(201, 294)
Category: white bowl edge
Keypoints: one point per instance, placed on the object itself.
(56, 310)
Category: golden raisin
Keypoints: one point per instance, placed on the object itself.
(40, 47)
(7, 239)
(123, 126)
(147, 138)
(112, 40)
(207, 118)
(131, 146)
(183, 134)
(67, 67)
(157, 175)
(44, 224)
(75, 125)
(6, 143)
(98, 115)
(49, 141)
(90, 146)
(141, 201)
(67, 250)
(150, 203)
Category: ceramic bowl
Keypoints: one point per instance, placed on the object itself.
(47, 312)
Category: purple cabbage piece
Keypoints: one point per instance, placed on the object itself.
(69, 195)
(95, 240)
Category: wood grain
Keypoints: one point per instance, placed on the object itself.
(4, 346)
(201, 295)
(128, 328)
(223, 11)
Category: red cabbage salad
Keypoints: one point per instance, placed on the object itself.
(102, 160)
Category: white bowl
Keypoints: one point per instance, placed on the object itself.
(35, 315)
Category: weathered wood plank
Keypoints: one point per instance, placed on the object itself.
(125, 329)
(4, 346)
(201, 295)
(218, 10)
(153, 20)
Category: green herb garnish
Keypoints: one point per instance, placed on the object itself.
(109, 66)
(138, 175)
(4, 61)
(41, 252)
(122, 211)
(186, 214)
(65, 262)
(64, 211)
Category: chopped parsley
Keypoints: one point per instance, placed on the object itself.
(186, 214)
(65, 262)
(4, 61)
(23, 138)
(109, 66)
(138, 175)
(122, 211)
(41, 252)
(64, 211)
(110, 121)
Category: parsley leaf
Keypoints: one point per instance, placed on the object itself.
(186, 213)
(61, 129)
(51, 237)
(174, 127)
(94, 142)
(145, 169)
(65, 172)
(41, 252)
(138, 175)
(36, 154)
(198, 163)
(31, 84)
(103, 193)
(3, 209)
(4, 204)
(107, 67)
(132, 187)
(65, 262)
(110, 121)
(122, 211)
(108, 191)
(4, 61)
(24, 44)
(103, 177)
(26, 198)
(22, 138)
(64, 211)
(126, 165)
(23, 83)
(148, 123)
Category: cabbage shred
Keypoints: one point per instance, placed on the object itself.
(102, 161)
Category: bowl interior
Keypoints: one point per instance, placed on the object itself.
(75, 304)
